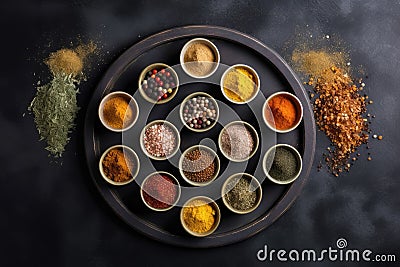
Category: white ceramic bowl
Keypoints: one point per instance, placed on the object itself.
(217, 216)
(199, 94)
(253, 133)
(143, 75)
(172, 127)
(201, 147)
(268, 158)
(186, 64)
(128, 152)
(176, 182)
(132, 104)
(270, 122)
(234, 178)
(256, 80)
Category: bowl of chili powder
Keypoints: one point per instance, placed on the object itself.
(160, 191)
(282, 112)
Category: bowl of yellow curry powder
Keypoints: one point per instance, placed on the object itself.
(200, 216)
(118, 111)
(240, 84)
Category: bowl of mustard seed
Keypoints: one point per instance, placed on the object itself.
(199, 165)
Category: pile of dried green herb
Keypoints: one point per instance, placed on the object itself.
(55, 105)
(55, 109)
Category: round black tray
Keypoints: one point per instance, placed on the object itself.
(235, 47)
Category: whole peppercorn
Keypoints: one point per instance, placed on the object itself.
(200, 112)
(155, 84)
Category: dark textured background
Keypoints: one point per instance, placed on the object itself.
(52, 215)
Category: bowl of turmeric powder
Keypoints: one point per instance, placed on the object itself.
(119, 165)
(282, 112)
(118, 111)
(200, 216)
(240, 84)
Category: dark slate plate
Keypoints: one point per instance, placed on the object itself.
(234, 47)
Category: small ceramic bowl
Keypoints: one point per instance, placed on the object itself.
(172, 127)
(217, 216)
(176, 182)
(254, 134)
(231, 182)
(269, 157)
(186, 65)
(159, 67)
(132, 103)
(128, 152)
(268, 116)
(209, 98)
(256, 80)
(205, 148)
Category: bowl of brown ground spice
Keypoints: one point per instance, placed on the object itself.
(119, 165)
(199, 58)
(118, 111)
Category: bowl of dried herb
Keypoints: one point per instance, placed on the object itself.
(241, 193)
(282, 164)
(119, 165)
(118, 111)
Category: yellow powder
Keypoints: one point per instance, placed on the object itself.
(239, 84)
(117, 112)
(199, 216)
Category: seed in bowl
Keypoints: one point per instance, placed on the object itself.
(237, 142)
(117, 167)
(117, 112)
(199, 216)
(199, 112)
(199, 165)
(159, 83)
(159, 140)
(160, 191)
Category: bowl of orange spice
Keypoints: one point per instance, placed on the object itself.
(282, 112)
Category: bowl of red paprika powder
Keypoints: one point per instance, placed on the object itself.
(282, 112)
(160, 191)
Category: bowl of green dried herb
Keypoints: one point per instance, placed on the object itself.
(241, 193)
(282, 164)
